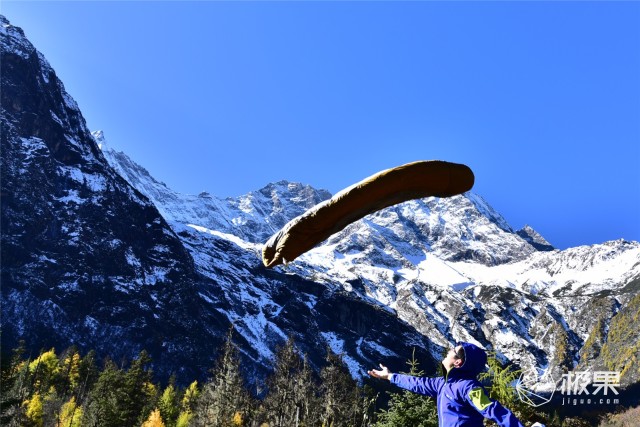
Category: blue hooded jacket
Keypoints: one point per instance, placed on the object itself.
(461, 399)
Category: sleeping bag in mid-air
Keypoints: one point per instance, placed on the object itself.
(389, 187)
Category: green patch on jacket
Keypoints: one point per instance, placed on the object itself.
(479, 399)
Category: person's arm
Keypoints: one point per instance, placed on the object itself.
(426, 386)
(492, 409)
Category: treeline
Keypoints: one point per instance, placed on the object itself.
(70, 390)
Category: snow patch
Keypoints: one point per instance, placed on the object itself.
(337, 346)
(31, 146)
(131, 259)
(95, 183)
(156, 275)
(433, 270)
(71, 197)
(91, 323)
(226, 236)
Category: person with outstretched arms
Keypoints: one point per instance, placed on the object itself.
(461, 400)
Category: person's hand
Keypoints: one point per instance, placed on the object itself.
(383, 373)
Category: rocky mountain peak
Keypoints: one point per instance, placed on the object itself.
(98, 253)
(534, 238)
(87, 259)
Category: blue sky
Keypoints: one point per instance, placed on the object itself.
(540, 99)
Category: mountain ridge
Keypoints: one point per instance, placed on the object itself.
(341, 261)
(96, 251)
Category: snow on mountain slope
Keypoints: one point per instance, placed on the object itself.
(534, 238)
(509, 307)
(582, 270)
(169, 272)
(454, 270)
(102, 256)
(224, 239)
(451, 267)
(86, 258)
(252, 217)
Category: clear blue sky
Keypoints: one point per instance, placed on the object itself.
(540, 99)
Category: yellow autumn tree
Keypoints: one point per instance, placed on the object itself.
(154, 420)
(71, 414)
(34, 409)
(71, 366)
(190, 396)
(149, 390)
(188, 403)
(47, 360)
(184, 419)
(237, 419)
(168, 404)
(44, 368)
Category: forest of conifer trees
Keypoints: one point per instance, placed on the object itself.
(71, 390)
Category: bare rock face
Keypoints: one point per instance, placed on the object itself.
(534, 239)
(87, 259)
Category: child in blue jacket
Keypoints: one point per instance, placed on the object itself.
(461, 399)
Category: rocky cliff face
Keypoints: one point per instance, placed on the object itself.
(89, 260)
(86, 258)
(97, 253)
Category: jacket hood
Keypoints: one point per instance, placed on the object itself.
(475, 360)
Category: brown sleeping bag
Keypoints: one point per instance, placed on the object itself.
(389, 187)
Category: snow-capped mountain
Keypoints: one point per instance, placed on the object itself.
(253, 217)
(89, 260)
(86, 258)
(95, 252)
(452, 268)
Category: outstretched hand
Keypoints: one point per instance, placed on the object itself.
(383, 373)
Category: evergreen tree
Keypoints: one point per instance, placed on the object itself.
(188, 405)
(14, 388)
(184, 419)
(407, 408)
(51, 408)
(368, 408)
(501, 379)
(140, 394)
(88, 374)
(291, 399)
(225, 394)
(501, 386)
(190, 397)
(341, 397)
(105, 403)
(306, 392)
(69, 371)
